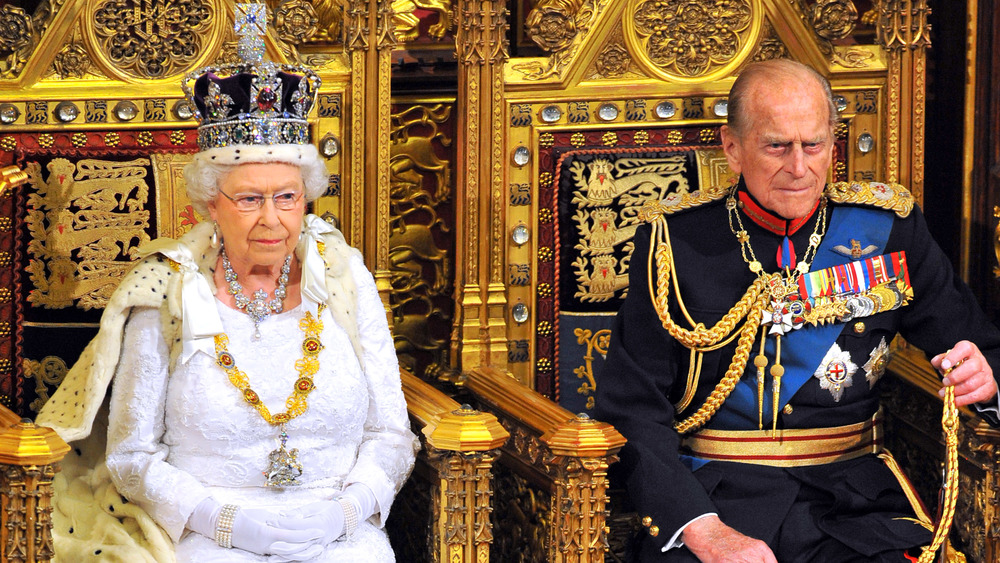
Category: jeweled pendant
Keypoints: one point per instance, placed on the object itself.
(283, 467)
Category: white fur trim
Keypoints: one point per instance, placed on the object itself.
(259, 154)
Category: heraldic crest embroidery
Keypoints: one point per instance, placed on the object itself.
(85, 220)
(603, 197)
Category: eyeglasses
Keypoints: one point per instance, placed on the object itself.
(285, 201)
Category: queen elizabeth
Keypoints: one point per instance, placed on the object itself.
(256, 412)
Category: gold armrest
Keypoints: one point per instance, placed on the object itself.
(461, 446)
(563, 458)
(29, 455)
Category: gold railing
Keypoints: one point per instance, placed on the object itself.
(29, 457)
(554, 492)
(460, 446)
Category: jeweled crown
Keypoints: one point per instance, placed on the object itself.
(254, 102)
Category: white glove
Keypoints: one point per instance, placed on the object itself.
(329, 516)
(261, 531)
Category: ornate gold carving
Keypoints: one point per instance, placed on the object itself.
(852, 57)
(771, 47)
(414, 222)
(594, 342)
(407, 23)
(48, 374)
(833, 19)
(72, 61)
(558, 26)
(153, 39)
(691, 41)
(26, 498)
(614, 59)
(903, 24)
(552, 23)
(521, 517)
(295, 22)
(74, 252)
(18, 37)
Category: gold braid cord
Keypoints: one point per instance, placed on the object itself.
(751, 306)
(949, 422)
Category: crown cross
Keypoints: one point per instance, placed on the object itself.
(251, 26)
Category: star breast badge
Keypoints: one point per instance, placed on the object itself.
(836, 371)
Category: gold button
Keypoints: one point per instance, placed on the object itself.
(788, 409)
(654, 531)
(859, 327)
(646, 521)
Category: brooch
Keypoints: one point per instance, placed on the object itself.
(836, 371)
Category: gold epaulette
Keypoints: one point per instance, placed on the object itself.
(892, 197)
(679, 201)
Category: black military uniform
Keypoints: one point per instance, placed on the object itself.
(843, 511)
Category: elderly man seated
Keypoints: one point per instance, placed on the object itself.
(744, 364)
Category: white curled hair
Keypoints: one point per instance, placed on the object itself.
(203, 174)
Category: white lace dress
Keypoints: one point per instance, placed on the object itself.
(177, 438)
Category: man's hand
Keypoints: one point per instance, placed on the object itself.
(966, 369)
(711, 540)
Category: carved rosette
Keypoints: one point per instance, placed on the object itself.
(17, 38)
(771, 47)
(552, 24)
(613, 61)
(296, 21)
(150, 39)
(833, 19)
(690, 41)
(72, 61)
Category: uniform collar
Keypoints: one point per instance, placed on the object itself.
(769, 220)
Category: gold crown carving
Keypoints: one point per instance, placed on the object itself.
(254, 102)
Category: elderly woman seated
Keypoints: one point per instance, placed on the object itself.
(256, 411)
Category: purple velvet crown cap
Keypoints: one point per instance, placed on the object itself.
(238, 88)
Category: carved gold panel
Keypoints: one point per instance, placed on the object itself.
(148, 39)
(690, 41)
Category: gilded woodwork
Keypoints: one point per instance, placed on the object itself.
(558, 26)
(29, 457)
(21, 32)
(407, 23)
(832, 19)
(688, 41)
(975, 531)
(481, 307)
(461, 445)
(141, 39)
(47, 373)
(564, 455)
(420, 266)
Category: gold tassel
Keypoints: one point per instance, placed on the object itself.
(777, 370)
(761, 362)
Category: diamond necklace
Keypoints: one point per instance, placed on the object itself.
(258, 307)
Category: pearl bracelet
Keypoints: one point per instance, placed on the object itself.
(350, 516)
(224, 525)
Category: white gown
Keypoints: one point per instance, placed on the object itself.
(177, 438)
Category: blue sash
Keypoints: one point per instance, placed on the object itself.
(802, 350)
